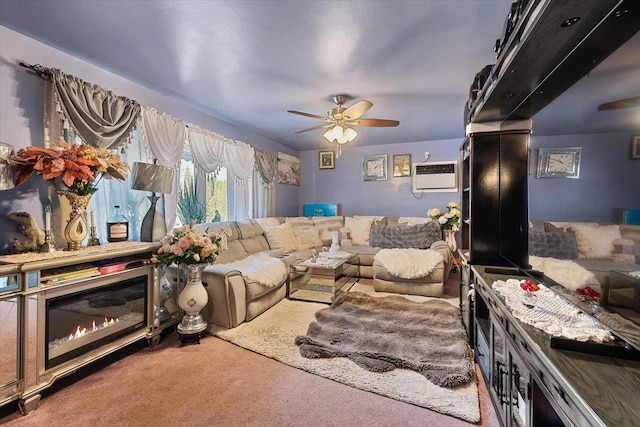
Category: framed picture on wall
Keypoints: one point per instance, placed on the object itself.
(635, 147)
(374, 168)
(401, 165)
(326, 160)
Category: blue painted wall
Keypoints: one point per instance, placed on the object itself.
(609, 179)
(345, 185)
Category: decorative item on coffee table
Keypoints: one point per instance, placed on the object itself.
(192, 250)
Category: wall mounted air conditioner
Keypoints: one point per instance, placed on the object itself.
(435, 177)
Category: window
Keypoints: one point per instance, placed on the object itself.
(202, 197)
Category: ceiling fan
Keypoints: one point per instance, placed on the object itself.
(340, 121)
(621, 103)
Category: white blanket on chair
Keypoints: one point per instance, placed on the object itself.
(262, 268)
(408, 263)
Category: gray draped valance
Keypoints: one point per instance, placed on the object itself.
(267, 166)
(99, 117)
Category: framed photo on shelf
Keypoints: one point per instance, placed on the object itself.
(326, 159)
(635, 147)
(374, 168)
(401, 165)
(559, 162)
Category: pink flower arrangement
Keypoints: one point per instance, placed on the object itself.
(189, 246)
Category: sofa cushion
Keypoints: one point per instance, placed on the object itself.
(419, 236)
(307, 238)
(281, 237)
(413, 220)
(332, 223)
(553, 245)
(630, 231)
(563, 226)
(255, 244)
(299, 222)
(595, 241)
(234, 252)
(367, 253)
(246, 229)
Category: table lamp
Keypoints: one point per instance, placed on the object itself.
(156, 179)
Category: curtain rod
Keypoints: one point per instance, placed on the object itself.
(37, 70)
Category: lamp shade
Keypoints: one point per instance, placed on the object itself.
(348, 136)
(6, 170)
(152, 177)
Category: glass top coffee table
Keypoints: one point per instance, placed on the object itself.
(320, 280)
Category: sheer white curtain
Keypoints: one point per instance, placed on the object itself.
(240, 159)
(165, 137)
(207, 152)
(111, 192)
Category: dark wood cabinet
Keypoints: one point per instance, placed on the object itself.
(532, 384)
(494, 201)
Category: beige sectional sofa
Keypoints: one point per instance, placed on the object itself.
(599, 248)
(235, 298)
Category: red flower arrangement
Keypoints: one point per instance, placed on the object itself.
(79, 167)
(589, 292)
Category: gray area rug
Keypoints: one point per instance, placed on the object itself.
(382, 334)
(273, 333)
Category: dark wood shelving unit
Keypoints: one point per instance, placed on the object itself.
(494, 197)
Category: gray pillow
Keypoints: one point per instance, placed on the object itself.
(553, 245)
(419, 236)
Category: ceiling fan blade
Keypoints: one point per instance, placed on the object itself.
(357, 109)
(313, 116)
(316, 127)
(374, 123)
(621, 103)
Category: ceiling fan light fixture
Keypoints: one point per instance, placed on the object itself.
(348, 136)
(328, 135)
(337, 132)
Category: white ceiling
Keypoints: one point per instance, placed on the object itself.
(248, 62)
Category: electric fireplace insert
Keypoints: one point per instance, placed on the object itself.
(80, 321)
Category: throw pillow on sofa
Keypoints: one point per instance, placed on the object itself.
(553, 245)
(595, 241)
(359, 228)
(307, 238)
(281, 237)
(419, 236)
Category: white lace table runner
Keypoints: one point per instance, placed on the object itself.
(551, 313)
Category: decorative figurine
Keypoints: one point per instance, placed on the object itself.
(28, 226)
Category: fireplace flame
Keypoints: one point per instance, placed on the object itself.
(81, 332)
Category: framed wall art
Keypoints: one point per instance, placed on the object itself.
(288, 169)
(635, 147)
(559, 162)
(401, 165)
(326, 159)
(374, 168)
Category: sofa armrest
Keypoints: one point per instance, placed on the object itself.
(443, 249)
(227, 305)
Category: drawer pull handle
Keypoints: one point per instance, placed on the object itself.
(560, 391)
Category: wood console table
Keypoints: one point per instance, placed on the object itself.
(532, 384)
(26, 293)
